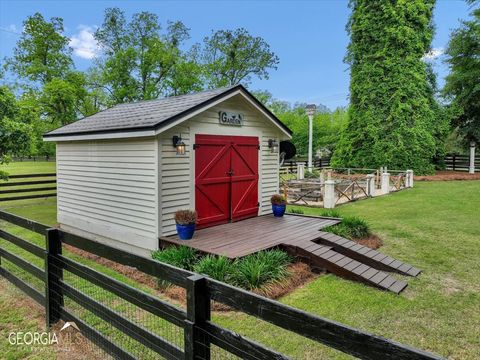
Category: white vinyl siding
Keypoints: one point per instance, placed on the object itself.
(178, 172)
(109, 188)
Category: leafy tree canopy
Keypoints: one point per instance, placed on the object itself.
(462, 85)
(42, 53)
(233, 57)
(391, 117)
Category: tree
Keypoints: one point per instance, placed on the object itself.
(42, 53)
(462, 85)
(234, 56)
(15, 135)
(390, 114)
(140, 63)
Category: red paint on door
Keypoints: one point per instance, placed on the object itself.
(226, 178)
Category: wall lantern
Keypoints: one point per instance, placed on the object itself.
(178, 144)
(273, 145)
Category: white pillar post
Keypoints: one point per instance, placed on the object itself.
(385, 183)
(322, 177)
(471, 168)
(329, 195)
(310, 142)
(300, 171)
(370, 185)
(409, 179)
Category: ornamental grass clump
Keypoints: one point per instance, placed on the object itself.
(185, 217)
(278, 199)
(351, 227)
(217, 267)
(253, 271)
(182, 256)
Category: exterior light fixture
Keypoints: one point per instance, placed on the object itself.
(273, 145)
(310, 109)
(178, 144)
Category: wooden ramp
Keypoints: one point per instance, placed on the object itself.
(301, 236)
(326, 257)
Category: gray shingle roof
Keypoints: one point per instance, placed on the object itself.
(144, 115)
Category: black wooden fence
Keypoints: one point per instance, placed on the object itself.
(291, 165)
(30, 186)
(201, 334)
(458, 162)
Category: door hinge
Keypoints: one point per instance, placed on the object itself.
(195, 146)
(258, 204)
(258, 147)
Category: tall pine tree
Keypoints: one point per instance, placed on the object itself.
(391, 117)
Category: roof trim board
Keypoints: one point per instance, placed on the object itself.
(170, 122)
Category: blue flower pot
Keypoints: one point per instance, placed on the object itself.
(278, 210)
(185, 232)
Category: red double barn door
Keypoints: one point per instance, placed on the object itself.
(226, 178)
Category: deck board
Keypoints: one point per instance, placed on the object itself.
(251, 235)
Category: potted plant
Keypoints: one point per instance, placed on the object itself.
(185, 221)
(279, 203)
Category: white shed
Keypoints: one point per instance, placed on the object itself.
(123, 172)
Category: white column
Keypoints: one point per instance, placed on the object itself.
(409, 179)
(310, 142)
(370, 185)
(385, 183)
(329, 195)
(471, 168)
(300, 171)
(322, 177)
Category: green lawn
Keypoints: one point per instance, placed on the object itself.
(434, 226)
(29, 167)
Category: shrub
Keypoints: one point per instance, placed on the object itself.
(182, 256)
(217, 267)
(351, 227)
(255, 270)
(185, 217)
(278, 199)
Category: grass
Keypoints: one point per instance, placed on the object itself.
(29, 167)
(434, 226)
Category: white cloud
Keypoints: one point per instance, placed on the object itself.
(84, 44)
(12, 28)
(433, 54)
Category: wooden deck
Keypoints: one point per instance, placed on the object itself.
(251, 235)
(302, 237)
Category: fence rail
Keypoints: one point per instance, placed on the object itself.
(28, 189)
(458, 162)
(200, 332)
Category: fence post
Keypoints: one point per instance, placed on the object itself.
(197, 343)
(471, 167)
(53, 292)
(371, 185)
(300, 171)
(409, 182)
(385, 183)
(329, 196)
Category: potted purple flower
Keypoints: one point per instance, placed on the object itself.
(185, 221)
(279, 204)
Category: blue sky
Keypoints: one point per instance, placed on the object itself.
(308, 36)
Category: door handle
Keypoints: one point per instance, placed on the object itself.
(230, 172)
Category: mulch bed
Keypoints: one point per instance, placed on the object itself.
(448, 175)
(372, 241)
